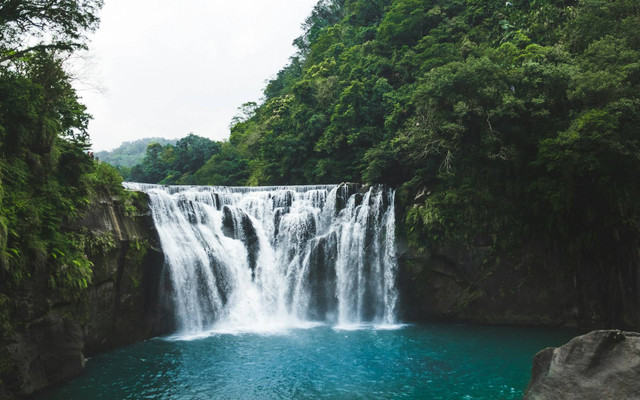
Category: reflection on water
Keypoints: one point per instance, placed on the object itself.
(414, 362)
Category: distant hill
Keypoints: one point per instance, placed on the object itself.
(130, 153)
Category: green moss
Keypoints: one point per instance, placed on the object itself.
(5, 315)
(135, 203)
(6, 363)
(136, 253)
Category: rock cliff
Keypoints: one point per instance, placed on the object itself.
(525, 286)
(52, 338)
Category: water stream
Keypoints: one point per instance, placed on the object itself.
(271, 258)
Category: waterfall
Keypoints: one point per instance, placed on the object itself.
(250, 258)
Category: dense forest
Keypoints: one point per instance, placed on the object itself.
(506, 121)
(173, 163)
(192, 160)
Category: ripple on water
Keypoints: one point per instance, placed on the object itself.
(319, 361)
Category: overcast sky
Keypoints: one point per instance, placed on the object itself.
(170, 67)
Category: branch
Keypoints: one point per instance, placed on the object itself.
(10, 55)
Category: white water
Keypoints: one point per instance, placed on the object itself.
(271, 258)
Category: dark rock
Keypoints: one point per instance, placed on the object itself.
(600, 365)
(123, 302)
(251, 242)
(344, 192)
(121, 306)
(244, 231)
(48, 351)
(358, 199)
(223, 280)
(464, 282)
(476, 280)
(322, 278)
(187, 207)
(228, 227)
(216, 201)
(386, 197)
(280, 212)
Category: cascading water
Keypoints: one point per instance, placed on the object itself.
(275, 257)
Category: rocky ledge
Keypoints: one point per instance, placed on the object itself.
(600, 365)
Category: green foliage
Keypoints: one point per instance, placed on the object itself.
(98, 243)
(71, 269)
(46, 175)
(519, 119)
(58, 25)
(227, 168)
(171, 164)
(43, 141)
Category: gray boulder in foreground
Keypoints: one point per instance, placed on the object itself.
(600, 365)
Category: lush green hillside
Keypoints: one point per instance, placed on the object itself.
(517, 121)
(131, 153)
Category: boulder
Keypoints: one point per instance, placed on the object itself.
(600, 365)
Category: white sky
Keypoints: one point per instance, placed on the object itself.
(170, 67)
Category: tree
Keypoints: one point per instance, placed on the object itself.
(47, 175)
(227, 168)
(192, 152)
(27, 26)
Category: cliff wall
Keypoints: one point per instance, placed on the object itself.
(51, 339)
(525, 286)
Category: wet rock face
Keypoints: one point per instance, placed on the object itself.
(322, 278)
(346, 190)
(49, 352)
(600, 365)
(238, 225)
(460, 282)
(121, 306)
(123, 301)
(526, 285)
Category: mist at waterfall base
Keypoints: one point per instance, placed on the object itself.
(289, 293)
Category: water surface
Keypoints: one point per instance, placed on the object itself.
(435, 361)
